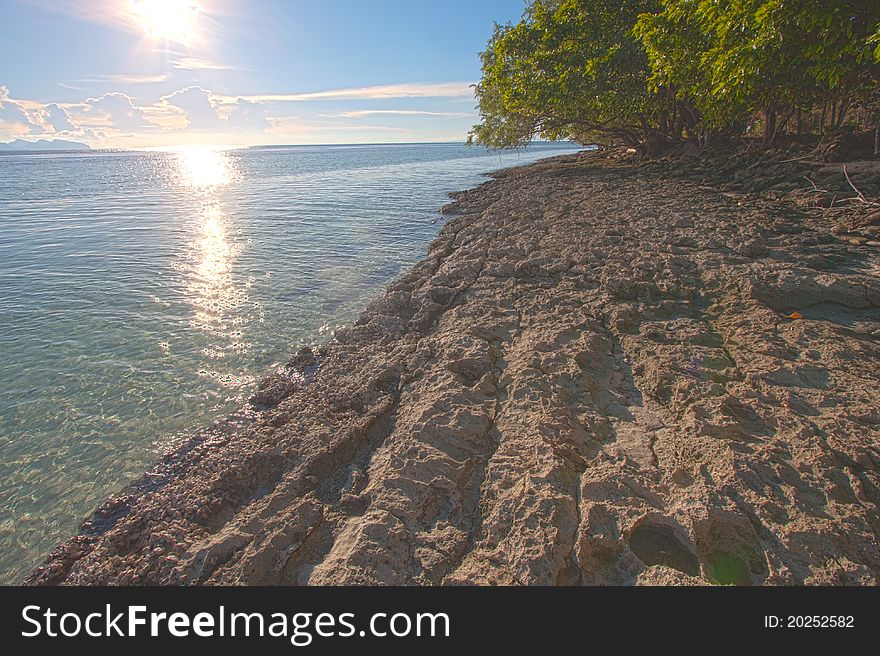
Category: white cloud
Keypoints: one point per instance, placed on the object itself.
(197, 103)
(204, 111)
(383, 92)
(361, 113)
(20, 117)
(199, 112)
(125, 79)
(14, 115)
(58, 118)
(196, 64)
(248, 115)
(119, 109)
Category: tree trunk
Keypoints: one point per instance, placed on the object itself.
(877, 141)
(781, 124)
(769, 125)
(841, 116)
(689, 117)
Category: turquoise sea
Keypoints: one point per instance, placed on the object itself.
(143, 294)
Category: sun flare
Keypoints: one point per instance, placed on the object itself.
(170, 20)
(204, 167)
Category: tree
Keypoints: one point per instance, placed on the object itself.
(648, 73)
(733, 58)
(571, 69)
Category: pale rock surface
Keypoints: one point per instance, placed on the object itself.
(590, 379)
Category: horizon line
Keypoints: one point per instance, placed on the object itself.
(218, 146)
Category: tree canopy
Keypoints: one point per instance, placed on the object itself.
(651, 72)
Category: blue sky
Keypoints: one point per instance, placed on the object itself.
(142, 73)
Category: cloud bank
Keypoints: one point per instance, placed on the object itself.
(119, 109)
(196, 110)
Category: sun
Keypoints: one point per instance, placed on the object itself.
(170, 20)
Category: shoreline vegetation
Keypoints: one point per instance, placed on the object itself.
(655, 74)
(606, 371)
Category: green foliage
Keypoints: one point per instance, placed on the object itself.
(734, 57)
(876, 39)
(647, 72)
(569, 69)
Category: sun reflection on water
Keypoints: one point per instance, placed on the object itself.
(213, 291)
(204, 167)
(212, 286)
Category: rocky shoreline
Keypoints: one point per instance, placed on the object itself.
(603, 373)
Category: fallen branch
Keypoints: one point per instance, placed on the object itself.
(855, 189)
(815, 188)
(797, 159)
(785, 161)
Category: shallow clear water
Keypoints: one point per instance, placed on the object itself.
(142, 294)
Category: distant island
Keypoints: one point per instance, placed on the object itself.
(42, 145)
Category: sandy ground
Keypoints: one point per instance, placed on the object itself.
(601, 374)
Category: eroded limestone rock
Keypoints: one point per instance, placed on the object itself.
(598, 375)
